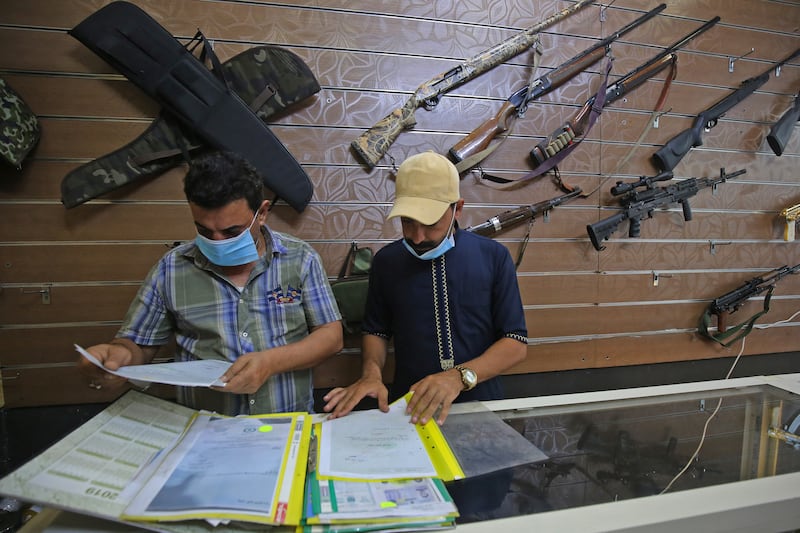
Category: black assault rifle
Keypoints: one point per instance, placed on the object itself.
(781, 131)
(564, 137)
(517, 104)
(512, 217)
(638, 204)
(668, 156)
(373, 143)
(730, 302)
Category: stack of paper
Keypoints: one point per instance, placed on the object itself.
(378, 469)
(372, 445)
(165, 467)
(421, 503)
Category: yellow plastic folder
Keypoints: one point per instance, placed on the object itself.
(372, 445)
(247, 468)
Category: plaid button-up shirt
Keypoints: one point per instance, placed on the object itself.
(286, 294)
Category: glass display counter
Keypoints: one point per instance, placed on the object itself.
(714, 456)
(644, 448)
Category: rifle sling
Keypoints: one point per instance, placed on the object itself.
(497, 182)
(736, 332)
(144, 159)
(651, 120)
(474, 159)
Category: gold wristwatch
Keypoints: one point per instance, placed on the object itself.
(468, 377)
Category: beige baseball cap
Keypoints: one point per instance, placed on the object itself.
(426, 185)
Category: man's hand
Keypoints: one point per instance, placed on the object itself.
(247, 373)
(113, 356)
(343, 400)
(433, 393)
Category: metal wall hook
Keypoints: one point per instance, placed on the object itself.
(657, 277)
(44, 291)
(732, 60)
(603, 10)
(712, 246)
(658, 116)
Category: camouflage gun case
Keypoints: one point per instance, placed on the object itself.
(203, 104)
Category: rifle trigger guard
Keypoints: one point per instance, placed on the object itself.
(710, 124)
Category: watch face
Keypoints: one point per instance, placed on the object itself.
(470, 376)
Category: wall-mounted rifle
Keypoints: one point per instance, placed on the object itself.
(641, 203)
(548, 153)
(730, 302)
(514, 217)
(374, 143)
(472, 149)
(668, 156)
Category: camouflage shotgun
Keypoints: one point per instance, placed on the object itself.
(516, 105)
(374, 143)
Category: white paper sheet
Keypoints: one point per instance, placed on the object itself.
(373, 445)
(200, 373)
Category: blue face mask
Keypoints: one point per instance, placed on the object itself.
(442, 248)
(238, 250)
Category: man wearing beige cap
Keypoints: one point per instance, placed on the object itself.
(447, 298)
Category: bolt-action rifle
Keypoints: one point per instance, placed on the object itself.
(668, 156)
(373, 143)
(730, 302)
(517, 104)
(792, 215)
(512, 217)
(638, 204)
(781, 131)
(566, 137)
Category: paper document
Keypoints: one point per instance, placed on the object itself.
(92, 469)
(420, 498)
(242, 468)
(200, 373)
(373, 445)
(155, 462)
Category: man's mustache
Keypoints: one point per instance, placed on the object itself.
(422, 247)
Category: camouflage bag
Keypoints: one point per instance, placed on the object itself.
(19, 127)
(267, 78)
(199, 97)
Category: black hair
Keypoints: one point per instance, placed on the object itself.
(216, 179)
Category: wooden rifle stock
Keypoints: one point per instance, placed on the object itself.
(722, 321)
(479, 138)
(578, 125)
